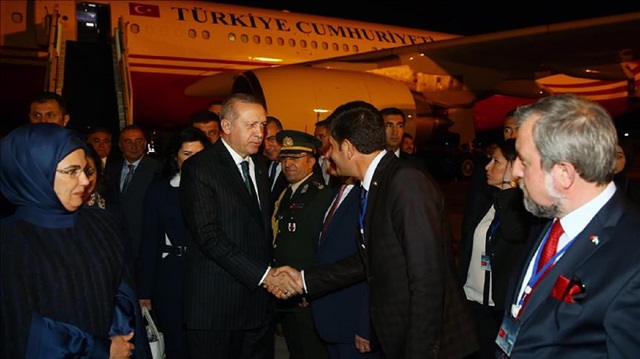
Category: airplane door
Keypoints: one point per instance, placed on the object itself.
(93, 22)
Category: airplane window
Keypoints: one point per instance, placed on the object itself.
(205, 34)
(268, 40)
(345, 47)
(256, 39)
(335, 47)
(325, 46)
(280, 41)
(16, 17)
(135, 28)
(232, 37)
(355, 48)
(303, 43)
(192, 33)
(292, 42)
(244, 38)
(314, 44)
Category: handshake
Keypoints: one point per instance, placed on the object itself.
(283, 282)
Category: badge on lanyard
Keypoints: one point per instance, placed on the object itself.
(485, 262)
(507, 334)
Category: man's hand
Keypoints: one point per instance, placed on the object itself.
(293, 274)
(283, 282)
(120, 346)
(362, 344)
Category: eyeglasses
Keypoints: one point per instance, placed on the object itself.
(74, 172)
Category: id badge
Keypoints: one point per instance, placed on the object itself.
(485, 262)
(507, 334)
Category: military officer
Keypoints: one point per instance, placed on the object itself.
(297, 221)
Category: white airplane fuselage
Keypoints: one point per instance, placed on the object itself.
(173, 47)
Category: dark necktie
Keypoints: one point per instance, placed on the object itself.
(333, 208)
(493, 227)
(247, 179)
(272, 172)
(128, 178)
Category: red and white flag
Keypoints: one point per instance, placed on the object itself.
(144, 10)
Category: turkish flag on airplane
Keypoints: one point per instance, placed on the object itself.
(144, 10)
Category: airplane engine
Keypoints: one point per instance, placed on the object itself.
(301, 96)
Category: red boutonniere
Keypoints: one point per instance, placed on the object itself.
(569, 290)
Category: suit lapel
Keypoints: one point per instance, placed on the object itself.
(380, 173)
(264, 190)
(236, 182)
(352, 198)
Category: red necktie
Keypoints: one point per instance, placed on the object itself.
(333, 208)
(551, 245)
(548, 251)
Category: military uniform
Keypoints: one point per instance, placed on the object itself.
(296, 223)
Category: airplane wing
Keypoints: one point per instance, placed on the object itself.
(462, 72)
(582, 43)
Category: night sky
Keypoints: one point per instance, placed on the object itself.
(457, 17)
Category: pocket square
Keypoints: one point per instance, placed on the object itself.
(568, 290)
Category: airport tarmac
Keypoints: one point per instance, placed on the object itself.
(455, 193)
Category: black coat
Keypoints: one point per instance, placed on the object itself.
(507, 242)
(231, 247)
(417, 307)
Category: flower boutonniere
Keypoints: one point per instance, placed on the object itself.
(569, 290)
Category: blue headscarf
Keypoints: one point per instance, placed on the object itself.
(30, 155)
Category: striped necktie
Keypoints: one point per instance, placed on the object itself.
(128, 178)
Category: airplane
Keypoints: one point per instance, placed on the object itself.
(153, 63)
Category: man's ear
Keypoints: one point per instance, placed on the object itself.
(65, 120)
(226, 126)
(348, 148)
(565, 174)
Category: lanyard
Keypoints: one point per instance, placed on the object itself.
(495, 223)
(363, 212)
(536, 275)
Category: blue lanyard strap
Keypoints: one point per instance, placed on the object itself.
(536, 275)
(493, 227)
(363, 212)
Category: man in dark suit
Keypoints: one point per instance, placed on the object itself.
(128, 180)
(581, 302)
(271, 152)
(321, 132)
(416, 304)
(100, 139)
(224, 194)
(394, 122)
(342, 317)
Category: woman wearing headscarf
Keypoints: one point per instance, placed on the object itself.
(63, 291)
(164, 241)
(492, 240)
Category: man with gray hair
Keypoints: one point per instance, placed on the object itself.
(577, 292)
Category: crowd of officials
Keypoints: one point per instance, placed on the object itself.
(340, 240)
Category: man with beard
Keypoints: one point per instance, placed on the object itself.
(576, 294)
